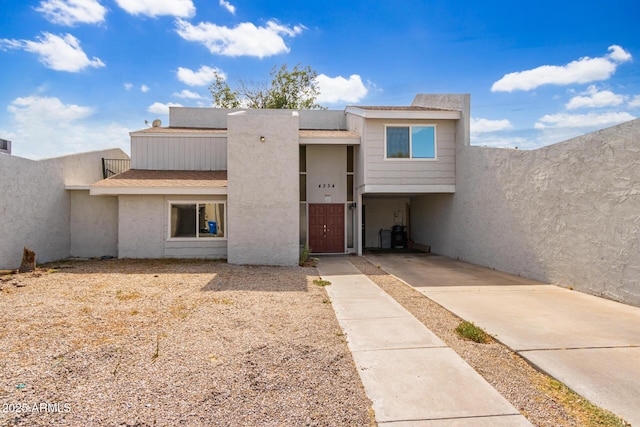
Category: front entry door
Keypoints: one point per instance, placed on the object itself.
(326, 228)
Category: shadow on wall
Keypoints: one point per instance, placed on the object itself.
(565, 214)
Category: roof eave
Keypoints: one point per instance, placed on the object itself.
(164, 190)
(405, 115)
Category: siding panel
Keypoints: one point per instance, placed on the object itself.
(397, 172)
(179, 152)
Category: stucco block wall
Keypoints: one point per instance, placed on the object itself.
(141, 226)
(263, 188)
(143, 230)
(93, 225)
(567, 214)
(212, 248)
(216, 118)
(35, 207)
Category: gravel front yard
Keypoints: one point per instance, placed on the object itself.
(166, 343)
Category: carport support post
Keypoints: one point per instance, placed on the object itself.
(358, 221)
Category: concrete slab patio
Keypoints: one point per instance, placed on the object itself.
(411, 376)
(591, 344)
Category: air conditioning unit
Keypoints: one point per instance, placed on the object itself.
(5, 146)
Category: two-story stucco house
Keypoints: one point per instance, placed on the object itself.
(254, 186)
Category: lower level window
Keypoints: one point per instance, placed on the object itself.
(197, 220)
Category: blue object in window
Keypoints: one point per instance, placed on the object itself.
(213, 227)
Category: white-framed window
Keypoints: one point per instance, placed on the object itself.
(410, 142)
(197, 220)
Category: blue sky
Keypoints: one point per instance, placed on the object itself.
(78, 75)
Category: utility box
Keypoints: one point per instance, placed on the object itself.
(385, 239)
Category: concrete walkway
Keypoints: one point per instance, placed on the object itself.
(591, 344)
(411, 376)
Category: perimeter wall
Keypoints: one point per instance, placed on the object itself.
(35, 207)
(567, 214)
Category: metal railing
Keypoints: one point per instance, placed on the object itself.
(112, 167)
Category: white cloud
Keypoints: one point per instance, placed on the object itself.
(583, 70)
(479, 126)
(128, 86)
(71, 12)
(231, 8)
(161, 109)
(590, 120)
(51, 110)
(46, 127)
(339, 89)
(243, 40)
(187, 94)
(144, 89)
(635, 102)
(153, 8)
(592, 98)
(202, 77)
(55, 52)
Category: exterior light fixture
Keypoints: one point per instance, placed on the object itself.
(262, 139)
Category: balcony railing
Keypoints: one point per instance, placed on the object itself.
(112, 167)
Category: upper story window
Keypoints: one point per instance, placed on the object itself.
(410, 142)
(196, 220)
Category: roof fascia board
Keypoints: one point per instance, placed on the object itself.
(408, 188)
(311, 140)
(169, 191)
(202, 134)
(408, 115)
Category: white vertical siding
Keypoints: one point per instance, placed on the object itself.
(179, 152)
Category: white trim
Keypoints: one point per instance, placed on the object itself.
(195, 202)
(165, 191)
(405, 114)
(77, 187)
(408, 188)
(178, 133)
(411, 158)
(314, 140)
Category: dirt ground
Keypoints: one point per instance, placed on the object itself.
(167, 343)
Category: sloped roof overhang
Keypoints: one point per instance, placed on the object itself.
(162, 182)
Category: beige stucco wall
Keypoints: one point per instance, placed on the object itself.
(143, 230)
(263, 188)
(567, 213)
(93, 225)
(35, 207)
(141, 226)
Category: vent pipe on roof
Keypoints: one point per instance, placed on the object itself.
(156, 123)
(5, 146)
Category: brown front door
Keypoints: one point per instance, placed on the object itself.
(326, 228)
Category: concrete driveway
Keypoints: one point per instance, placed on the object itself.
(591, 344)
